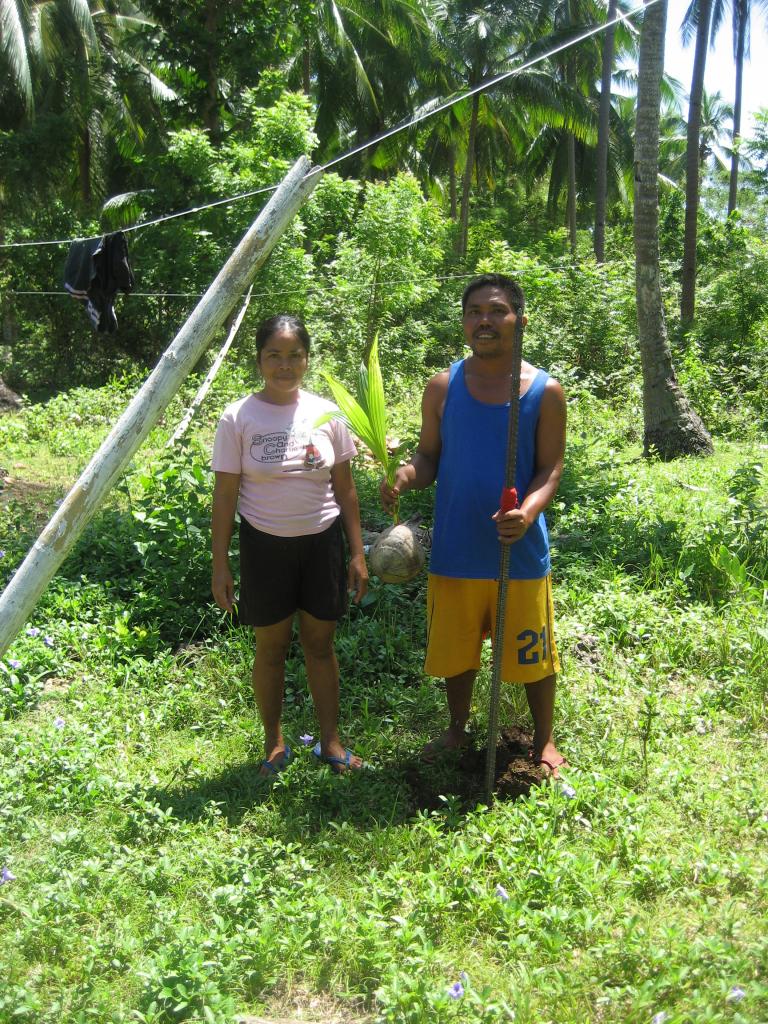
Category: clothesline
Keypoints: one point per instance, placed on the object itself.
(294, 291)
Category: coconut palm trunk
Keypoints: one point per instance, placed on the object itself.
(211, 114)
(570, 143)
(466, 185)
(603, 128)
(692, 177)
(671, 427)
(741, 16)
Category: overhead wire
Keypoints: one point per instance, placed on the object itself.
(566, 265)
(423, 115)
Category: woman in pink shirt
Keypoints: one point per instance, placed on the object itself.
(292, 483)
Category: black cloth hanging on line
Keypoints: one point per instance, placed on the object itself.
(96, 269)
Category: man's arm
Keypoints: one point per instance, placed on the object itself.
(550, 453)
(225, 492)
(421, 469)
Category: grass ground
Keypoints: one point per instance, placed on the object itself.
(150, 876)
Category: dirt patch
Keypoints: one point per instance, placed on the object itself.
(463, 776)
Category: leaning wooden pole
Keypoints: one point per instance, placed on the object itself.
(210, 377)
(54, 543)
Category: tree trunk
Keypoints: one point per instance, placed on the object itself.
(452, 184)
(688, 283)
(9, 400)
(306, 67)
(211, 118)
(84, 169)
(742, 7)
(603, 129)
(671, 427)
(466, 185)
(570, 143)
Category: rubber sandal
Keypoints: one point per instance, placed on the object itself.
(275, 769)
(338, 765)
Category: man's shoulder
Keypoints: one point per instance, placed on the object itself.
(437, 388)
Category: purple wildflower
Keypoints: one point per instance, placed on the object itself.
(2, 553)
(48, 641)
(456, 991)
(6, 875)
(58, 722)
(14, 663)
(306, 739)
(736, 994)
(567, 790)
(33, 631)
(659, 1018)
(502, 893)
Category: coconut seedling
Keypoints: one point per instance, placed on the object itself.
(396, 555)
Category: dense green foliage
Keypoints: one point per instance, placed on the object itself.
(147, 873)
(156, 879)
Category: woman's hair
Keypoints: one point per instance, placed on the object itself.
(281, 322)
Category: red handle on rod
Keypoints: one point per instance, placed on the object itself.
(508, 499)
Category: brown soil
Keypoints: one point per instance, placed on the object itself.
(463, 775)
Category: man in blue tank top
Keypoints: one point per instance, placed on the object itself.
(462, 446)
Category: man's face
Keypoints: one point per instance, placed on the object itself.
(489, 322)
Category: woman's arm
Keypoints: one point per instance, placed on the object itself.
(345, 493)
(225, 492)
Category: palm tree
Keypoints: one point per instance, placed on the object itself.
(356, 59)
(741, 11)
(715, 114)
(590, 119)
(476, 43)
(35, 37)
(698, 15)
(83, 61)
(603, 123)
(671, 427)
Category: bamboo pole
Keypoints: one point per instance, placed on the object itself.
(54, 543)
(205, 387)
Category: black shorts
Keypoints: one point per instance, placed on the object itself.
(279, 575)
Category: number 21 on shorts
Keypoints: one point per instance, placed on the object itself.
(532, 646)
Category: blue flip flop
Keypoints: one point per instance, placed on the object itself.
(275, 769)
(336, 764)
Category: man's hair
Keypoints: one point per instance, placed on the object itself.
(281, 322)
(508, 285)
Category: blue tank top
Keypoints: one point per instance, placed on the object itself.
(470, 479)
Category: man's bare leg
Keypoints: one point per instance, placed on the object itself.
(541, 701)
(458, 690)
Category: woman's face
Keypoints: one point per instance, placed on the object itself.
(283, 362)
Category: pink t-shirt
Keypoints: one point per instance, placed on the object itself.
(284, 462)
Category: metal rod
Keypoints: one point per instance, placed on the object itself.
(54, 543)
(501, 601)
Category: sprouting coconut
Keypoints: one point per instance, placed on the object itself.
(396, 556)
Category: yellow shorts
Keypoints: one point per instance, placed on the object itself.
(460, 613)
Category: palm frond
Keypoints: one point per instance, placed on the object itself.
(13, 47)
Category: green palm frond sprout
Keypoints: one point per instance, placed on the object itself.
(366, 415)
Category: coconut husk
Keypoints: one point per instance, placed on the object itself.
(396, 556)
